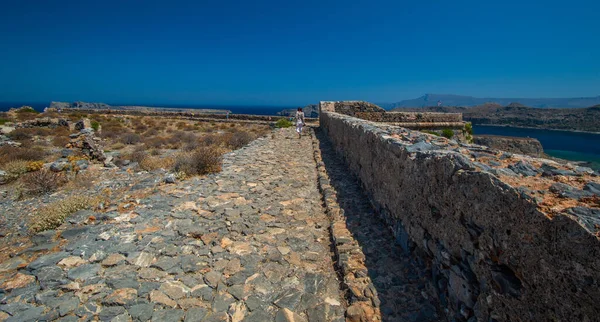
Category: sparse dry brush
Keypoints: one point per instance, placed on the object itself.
(130, 138)
(203, 160)
(14, 169)
(239, 139)
(43, 181)
(150, 163)
(54, 214)
(9, 153)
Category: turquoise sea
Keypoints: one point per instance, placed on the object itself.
(568, 145)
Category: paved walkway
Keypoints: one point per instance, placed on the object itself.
(247, 244)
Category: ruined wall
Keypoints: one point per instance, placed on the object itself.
(189, 114)
(495, 255)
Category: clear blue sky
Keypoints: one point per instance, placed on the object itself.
(296, 52)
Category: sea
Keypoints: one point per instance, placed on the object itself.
(568, 145)
(236, 109)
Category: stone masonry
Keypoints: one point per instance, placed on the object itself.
(508, 237)
(250, 243)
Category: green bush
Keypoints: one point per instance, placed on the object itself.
(95, 125)
(469, 128)
(283, 122)
(447, 133)
(3, 121)
(431, 132)
(27, 109)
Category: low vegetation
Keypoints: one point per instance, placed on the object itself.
(43, 181)
(448, 133)
(283, 123)
(54, 214)
(203, 160)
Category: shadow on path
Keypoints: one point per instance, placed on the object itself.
(402, 283)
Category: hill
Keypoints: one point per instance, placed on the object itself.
(469, 101)
(517, 114)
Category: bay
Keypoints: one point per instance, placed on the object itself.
(568, 145)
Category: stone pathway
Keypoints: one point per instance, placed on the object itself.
(248, 244)
(403, 291)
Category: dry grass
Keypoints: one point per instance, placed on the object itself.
(54, 214)
(130, 138)
(150, 163)
(43, 181)
(239, 139)
(9, 153)
(203, 160)
(14, 169)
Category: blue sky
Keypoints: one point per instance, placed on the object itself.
(296, 52)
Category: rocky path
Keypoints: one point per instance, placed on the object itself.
(402, 289)
(248, 244)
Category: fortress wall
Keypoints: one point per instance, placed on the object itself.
(494, 255)
(410, 117)
(187, 114)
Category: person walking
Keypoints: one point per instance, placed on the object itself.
(299, 121)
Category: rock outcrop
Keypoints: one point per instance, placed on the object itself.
(311, 110)
(527, 146)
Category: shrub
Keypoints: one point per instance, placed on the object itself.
(15, 169)
(150, 163)
(283, 123)
(469, 128)
(431, 132)
(60, 141)
(117, 146)
(10, 153)
(21, 134)
(155, 142)
(130, 138)
(151, 132)
(54, 214)
(203, 160)
(35, 165)
(3, 121)
(447, 133)
(239, 139)
(26, 113)
(43, 181)
(95, 125)
(26, 109)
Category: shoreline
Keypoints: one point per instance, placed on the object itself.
(534, 128)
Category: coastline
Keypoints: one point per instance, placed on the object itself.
(533, 128)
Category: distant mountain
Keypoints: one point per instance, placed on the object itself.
(468, 101)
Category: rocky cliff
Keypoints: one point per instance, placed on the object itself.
(311, 110)
(527, 146)
(514, 114)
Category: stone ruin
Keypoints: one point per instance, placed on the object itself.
(86, 142)
(427, 121)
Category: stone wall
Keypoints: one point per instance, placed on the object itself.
(529, 146)
(189, 114)
(496, 253)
